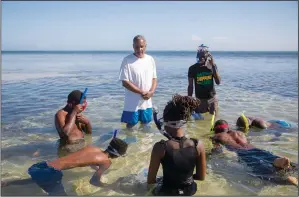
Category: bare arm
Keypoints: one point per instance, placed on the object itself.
(190, 86)
(154, 85)
(130, 86)
(156, 156)
(96, 178)
(62, 125)
(88, 128)
(150, 93)
(216, 75)
(259, 123)
(85, 124)
(200, 163)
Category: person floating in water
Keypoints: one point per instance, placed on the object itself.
(245, 122)
(263, 164)
(70, 123)
(178, 155)
(48, 174)
(203, 74)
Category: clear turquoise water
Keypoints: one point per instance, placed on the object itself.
(35, 85)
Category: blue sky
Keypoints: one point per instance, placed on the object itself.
(246, 26)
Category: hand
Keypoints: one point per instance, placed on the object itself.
(78, 108)
(82, 119)
(147, 95)
(211, 60)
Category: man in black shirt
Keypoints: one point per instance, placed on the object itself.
(203, 74)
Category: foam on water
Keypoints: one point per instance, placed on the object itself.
(263, 85)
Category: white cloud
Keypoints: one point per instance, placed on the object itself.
(195, 38)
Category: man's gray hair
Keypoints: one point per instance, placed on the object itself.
(139, 37)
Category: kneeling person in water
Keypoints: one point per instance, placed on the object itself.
(263, 163)
(48, 175)
(243, 121)
(70, 124)
(178, 155)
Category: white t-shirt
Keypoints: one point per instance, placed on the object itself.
(140, 72)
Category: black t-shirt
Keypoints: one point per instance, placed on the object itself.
(203, 80)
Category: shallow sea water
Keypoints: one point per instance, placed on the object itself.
(35, 86)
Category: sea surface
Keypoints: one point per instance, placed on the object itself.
(36, 84)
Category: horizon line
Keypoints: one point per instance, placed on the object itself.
(146, 50)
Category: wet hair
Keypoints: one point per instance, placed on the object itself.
(240, 122)
(220, 130)
(117, 147)
(180, 108)
(138, 37)
(75, 96)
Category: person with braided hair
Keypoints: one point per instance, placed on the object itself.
(178, 155)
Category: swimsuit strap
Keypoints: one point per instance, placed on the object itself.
(180, 140)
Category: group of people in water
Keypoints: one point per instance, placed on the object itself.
(178, 155)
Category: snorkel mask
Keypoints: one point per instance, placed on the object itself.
(202, 52)
(111, 149)
(171, 124)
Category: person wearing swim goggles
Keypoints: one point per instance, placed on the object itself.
(202, 76)
(69, 121)
(48, 174)
(263, 164)
(179, 156)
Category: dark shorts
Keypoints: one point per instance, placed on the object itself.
(208, 105)
(261, 165)
(260, 161)
(47, 178)
(187, 190)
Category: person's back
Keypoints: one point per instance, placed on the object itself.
(233, 139)
(178, 156)
(179, 162)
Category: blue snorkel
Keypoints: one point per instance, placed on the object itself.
(83, 95)
(115, 133)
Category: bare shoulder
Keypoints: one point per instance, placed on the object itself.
(159, 146)
(60, 113)
(200, 147)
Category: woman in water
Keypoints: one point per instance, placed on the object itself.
(178, 155)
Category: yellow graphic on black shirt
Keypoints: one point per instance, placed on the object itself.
(204, 78)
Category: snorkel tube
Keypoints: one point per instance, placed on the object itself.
(159, 124)
(115, 133)
(246, 121)
(83, 95)
(212, 122)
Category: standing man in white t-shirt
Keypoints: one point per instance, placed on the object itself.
(139, 77)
